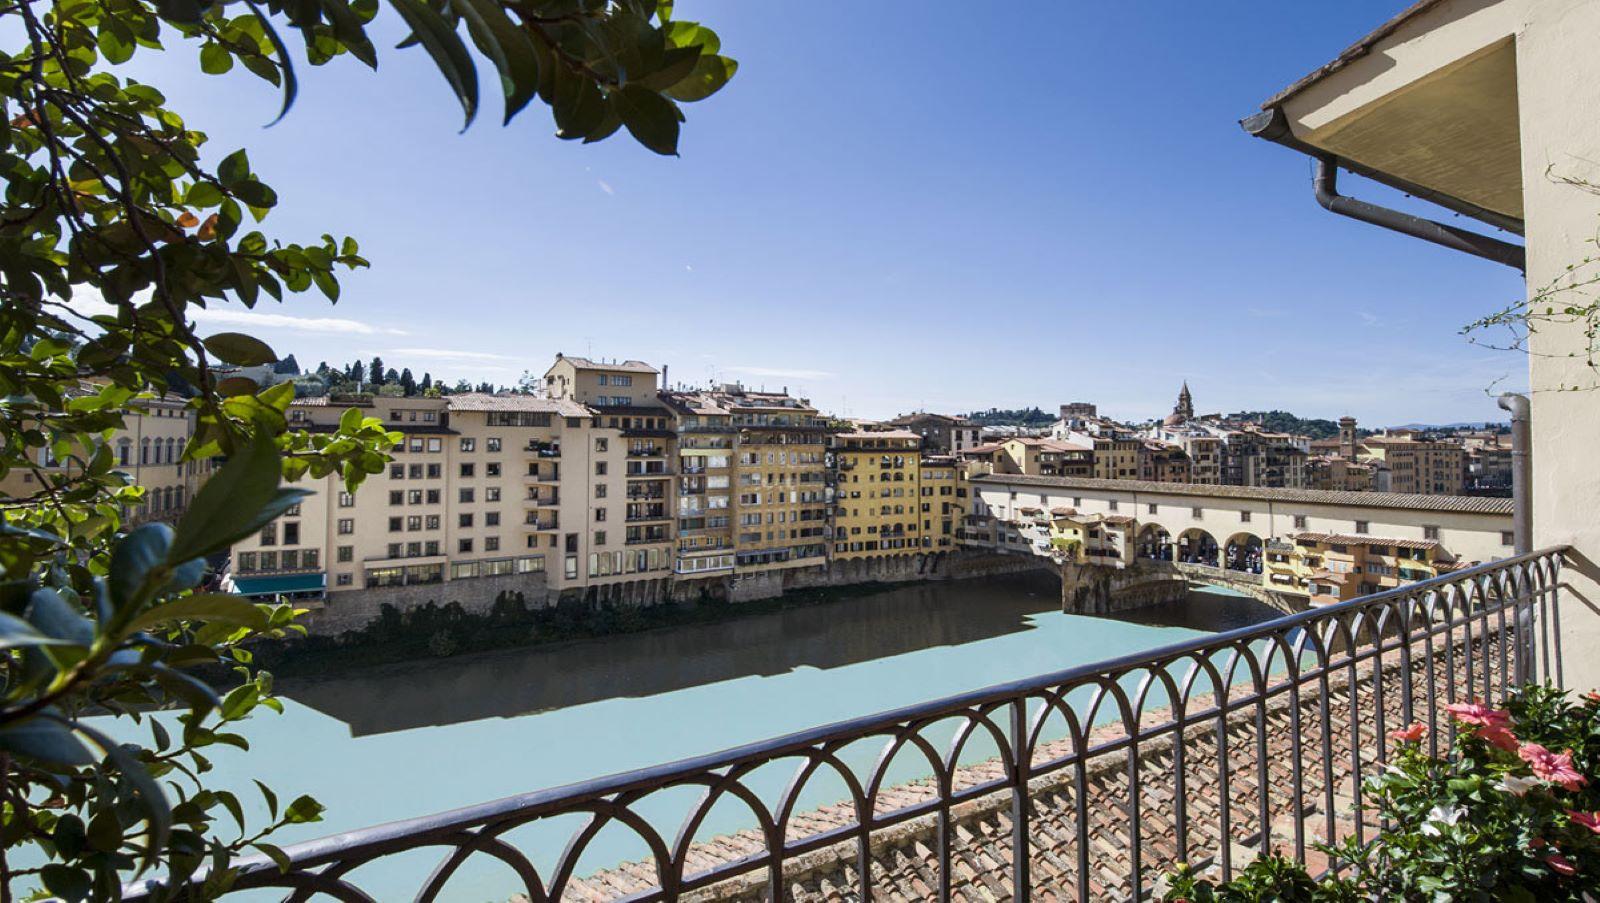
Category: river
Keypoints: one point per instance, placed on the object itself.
(405, 740)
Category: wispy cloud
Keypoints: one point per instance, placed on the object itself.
(258, 318)
(1368, 318)
(605, 186)
(781, 373)
(448, 354)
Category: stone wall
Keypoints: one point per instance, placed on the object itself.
(1096, 590)
(355, 609)
(957, 565)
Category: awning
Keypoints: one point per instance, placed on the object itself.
(280, 583)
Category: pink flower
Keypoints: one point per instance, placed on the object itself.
(1590, 820)
(1498, 736)
(1410, 734)
(1592, 696)
(1553, 767)
(1479, 715)
(1559, 864)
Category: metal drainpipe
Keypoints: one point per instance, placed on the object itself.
(1521, 472)
(1327, 191)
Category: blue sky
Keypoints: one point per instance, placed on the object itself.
(891, 207)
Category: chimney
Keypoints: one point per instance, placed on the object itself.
(664, 383)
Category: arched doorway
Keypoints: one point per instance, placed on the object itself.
(1243, 553)
(1196, 546)
(1155, 543)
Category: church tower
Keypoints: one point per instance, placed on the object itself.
(1347, 438)
(1185, 408)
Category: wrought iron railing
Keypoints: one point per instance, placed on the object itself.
(1103, 775)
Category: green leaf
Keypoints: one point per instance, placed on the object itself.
(508, 45)
(232, 504)
(449, 54)
(215, 59)
(650, 118)
(233, 169)
(239, 349)
(239, 702)
(276, 855)
(270, 798)
(708, 77)
(291, 85)
(58, 618)
(66, 882)
(157, 810)
(47, 739)
(221, 608)
(132, 560)
(16, 633)
(303, 809)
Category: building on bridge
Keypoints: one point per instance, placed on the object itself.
(1251, 535)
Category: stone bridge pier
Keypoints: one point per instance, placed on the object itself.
(1094, 589)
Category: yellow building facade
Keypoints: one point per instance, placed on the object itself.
(877, 510)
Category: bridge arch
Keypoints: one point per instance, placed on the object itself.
(1243, 553)
(1155, 543)
(1196, 546)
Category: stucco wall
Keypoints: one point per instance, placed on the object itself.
(356, 609)
(1558, 77)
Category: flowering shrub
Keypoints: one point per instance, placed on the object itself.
(1512, 814)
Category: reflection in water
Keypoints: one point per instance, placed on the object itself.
(824, 635)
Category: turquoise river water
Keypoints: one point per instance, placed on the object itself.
(400, 741)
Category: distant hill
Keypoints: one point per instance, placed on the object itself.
(1011, 417)
(1285, 422)
(1463, 425)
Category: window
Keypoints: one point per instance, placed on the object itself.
(599, 537)
(465, 520)
(492, 494)
(347, 500)
(1197, 513)
(396, 524)
(247, 562)
(347, 526)
(431, 522)
(435, 445)
(414, 523)
(1153, 509)
(1244, 517)
(435, 471)
(464, 545)
(397, 471)
(468, 470)
(344, 554)
(396, 496)
(599, 490)
(414, 497)
(468, 444)
(491, 444)
(1508, 538)
(492, 469)
(269, 535)
(601, 443)
(599, 514)
(416, 444)
(464, 496)
(433, 496)
(491, 544)
(1299, 521)
(572, 542)
(1430, 531)
(599, 468)
(291, 534)
(491, 519)
(414, 472)
(342, 580)
(1112, 504)
(1362, 526)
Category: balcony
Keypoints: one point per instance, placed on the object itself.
(1201, 718)
(647, 469)
(543, 449)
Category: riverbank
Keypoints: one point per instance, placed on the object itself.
(435, 631)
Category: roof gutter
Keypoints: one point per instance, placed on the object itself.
(1273, 126)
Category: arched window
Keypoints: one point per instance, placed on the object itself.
(172, 451)
(124, 451)
(177, 496)
(166, 498)
(144, 451)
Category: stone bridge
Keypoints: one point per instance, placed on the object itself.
(1094, 589)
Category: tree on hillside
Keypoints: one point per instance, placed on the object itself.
(427, 382)
(375, 371)
(408, 383)
(112, 197)
(355, 373)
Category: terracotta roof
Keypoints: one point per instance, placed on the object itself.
(1352, 53)
(1063, 511)
(1459, 503)
(879, 434)
(628, 366)
(479, 401)
(1360, 539)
